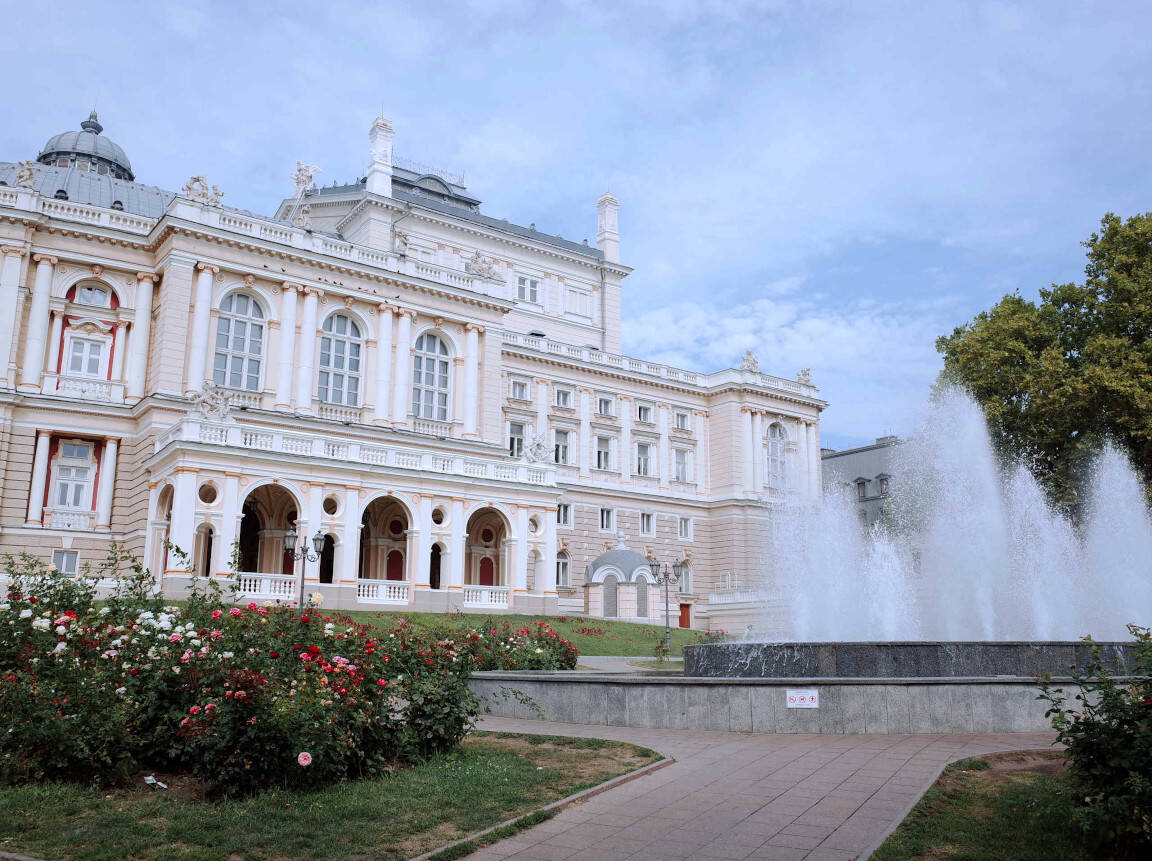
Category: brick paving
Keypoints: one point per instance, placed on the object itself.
(748, 796)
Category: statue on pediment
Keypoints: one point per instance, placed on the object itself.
(304, 176)
(26, 175)
(212, 403)
(805, 376)
(198, 189)
(480, 266)
(399, 241)
(537, 450)
(750, 362)
(303, 217)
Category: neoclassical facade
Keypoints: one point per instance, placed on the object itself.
(436, 395)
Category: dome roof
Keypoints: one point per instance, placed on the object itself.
(88, 143)
(620, 557)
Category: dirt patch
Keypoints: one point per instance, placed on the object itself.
(1008, 767)
(184, 787)
(573, 757)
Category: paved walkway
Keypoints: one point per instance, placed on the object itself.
(742, 795)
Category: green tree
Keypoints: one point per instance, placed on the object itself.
(1058, 377)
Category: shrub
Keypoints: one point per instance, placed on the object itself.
(1108, 738)
(242, 697)
(500, 645)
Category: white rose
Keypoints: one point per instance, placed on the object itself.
(24, 614)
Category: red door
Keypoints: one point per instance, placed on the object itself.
(395, 570)
(685, 615)
(486, 568)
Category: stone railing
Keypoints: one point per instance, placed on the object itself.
(735, 596)
(352, 452)
(486, 596)
(382, 591)
(254, 584)
(88, 389)
(68, 518)
(334, 412)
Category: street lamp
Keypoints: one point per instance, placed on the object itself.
(303, 554)
(667, 576)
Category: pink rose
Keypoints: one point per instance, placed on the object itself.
(195, 710)
(252, 605)
(216, 614)
(304, 758)
(235, 611)
(175, 638)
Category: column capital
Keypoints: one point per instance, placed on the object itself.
(410, 313)
(385, 309)
(584, 390)
(13, 250)
(291, 287)
(474, 327)
(702, 413)
(147, 276)
(309, 290)
(45, 258)
(208, 267)
(541, 381)
(41, 432)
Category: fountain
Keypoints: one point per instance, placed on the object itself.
(974, 574)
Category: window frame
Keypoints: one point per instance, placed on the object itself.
(681, 465)
(62, 555)
(643, 410)
(325, 373)
(567, 393)
(526, 389)
(686, 424)
(563, 569)
(72, 337)
(441, 401)
(606, 451)
(776, 456)
(610, 401)
(563, 514)
(222, 373)
(516, 440)
(609, 515)
(650, 518)
(644, 460)
(85, 485)
(684, 528)
(528, 289)
(557, 445)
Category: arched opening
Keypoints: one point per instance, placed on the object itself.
(268, 512)
(163, 531)
(327, 559)
(384, 540)
(202, 556)
(434, 567)
(485, 563)
(535, 574)
(610, 603)
(641, 598)
(776, 443)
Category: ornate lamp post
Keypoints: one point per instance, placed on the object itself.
(666, 576)
(303, 553)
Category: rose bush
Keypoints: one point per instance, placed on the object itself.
(243, 697)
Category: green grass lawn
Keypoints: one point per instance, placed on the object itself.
(491, 778)
(598, 637)
(1004, 807)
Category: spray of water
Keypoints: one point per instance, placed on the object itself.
(974, 552)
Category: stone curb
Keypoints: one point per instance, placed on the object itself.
(8, 856)
(555, 805)
(864, 856)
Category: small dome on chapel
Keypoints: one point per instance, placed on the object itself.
(87, 149)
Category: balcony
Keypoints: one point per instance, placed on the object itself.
(336, 413)
(486, 596)
(353, 453)
(68, 518)
(85, 388)
(736, 596)
(271, 587)
(382, 591)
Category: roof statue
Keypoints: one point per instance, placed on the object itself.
(27, 175)
(197, 189)
(750, 362)
(480, 266)
(805, 376)
(303, 217)
(212, 403)
(399, 241)
(305, 176)
(537, 450)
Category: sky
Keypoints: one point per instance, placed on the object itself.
(831, 185)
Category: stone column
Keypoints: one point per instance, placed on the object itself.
(471, 377)
(348, 571)
(667, 468)
(749, 478)
(55, 336)
(703, 472)
(542, 401)
(520, 556)
(759, 479)
(456, 543)
(136, 370)
(107, 483)
(384, 363)
(39, 478)
(306, 354)
(548, 586)
(9, 293)
(231, 506)
(201, 330)
(400, 391)
(287, 363)
(423, 542)
(800, 481)
(814, 480)
(587, 441)
(627, 455)
(116, 372)
(34, 341)
(183, 529)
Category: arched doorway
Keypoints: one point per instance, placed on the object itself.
(163, 532)
(202, 556)
(268, 512)
(485, 564)
(610, 596)
(434, 560)
(384, 540)
(641, 597)
(327, 559)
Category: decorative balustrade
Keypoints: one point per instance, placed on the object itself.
(254, 584)
(68, 518)
(431, 427)
(89, 389)
(353, 453)
(486, 596)
(736, 596)
(339, 413)
(382, 591)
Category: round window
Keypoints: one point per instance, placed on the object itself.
(207, 493)
(396, 527)
(331, 505)
(486, 536)
(438, 516)
(534, 525)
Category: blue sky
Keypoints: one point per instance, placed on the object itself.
(832, 185)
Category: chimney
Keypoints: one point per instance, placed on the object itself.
(380, 168)
(607, 234)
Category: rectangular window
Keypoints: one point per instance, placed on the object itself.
(861, 490)
(607, 519)
(645, 523)
(519, 390)
(681, 421)
(563, 398)
(681, 469)
(562, 446)
(604, 406)
(603, 452)
(527, 289)
(643, 459)
(563, 514)
(64, 561)
(684, 528)
(644, 414)
(515, 439)
(562, 570)
(85, 357)
(73, 476)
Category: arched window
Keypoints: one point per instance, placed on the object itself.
(686, 579)
(610, 596)
(776, 443)
(239, 343)
(92, 294)
(430, 378)
(562, 564)
(340, 348)
(641, 598)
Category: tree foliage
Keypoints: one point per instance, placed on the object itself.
(1058, 377)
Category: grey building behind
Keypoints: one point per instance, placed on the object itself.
(866, 471)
